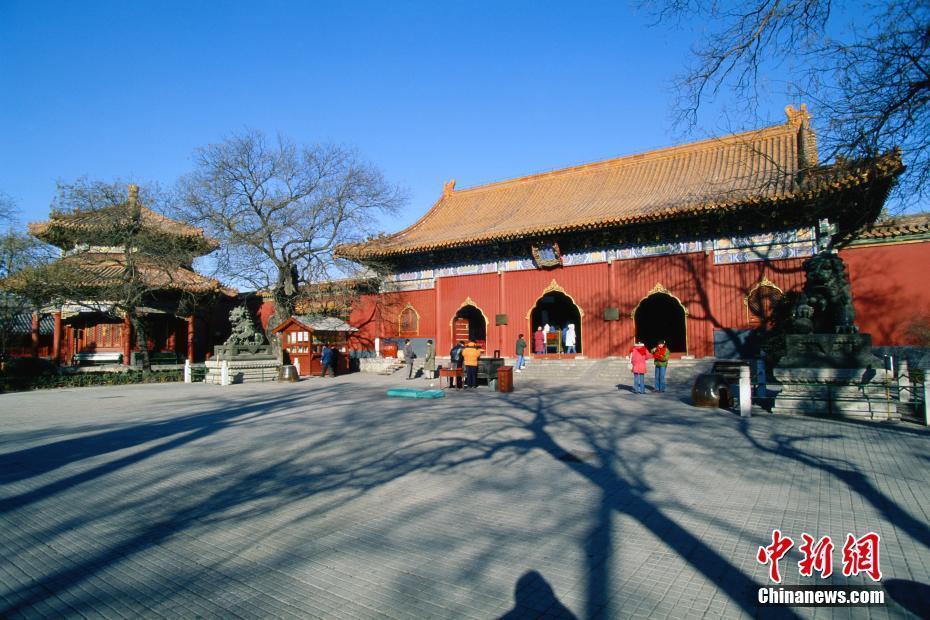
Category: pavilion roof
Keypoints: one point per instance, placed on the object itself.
(101, 270)
(65, 230)
(772, 165)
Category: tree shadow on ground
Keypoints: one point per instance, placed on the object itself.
(403, 442)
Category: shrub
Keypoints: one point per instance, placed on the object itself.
(29, 367)
(20, 383)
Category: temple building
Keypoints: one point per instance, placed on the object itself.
(176, 300)
(692, 244)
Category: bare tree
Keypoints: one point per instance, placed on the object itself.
(279, 210)
(18, 251)
(869, 80)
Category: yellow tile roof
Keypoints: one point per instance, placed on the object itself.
(106, 270)
(732, 171)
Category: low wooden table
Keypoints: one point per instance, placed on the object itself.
(451, 373)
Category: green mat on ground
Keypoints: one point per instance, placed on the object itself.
(415, 393)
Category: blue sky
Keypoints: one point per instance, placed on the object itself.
(428, 91)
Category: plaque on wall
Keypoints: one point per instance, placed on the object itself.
(611, 314)
(500, 319)
(546, 255)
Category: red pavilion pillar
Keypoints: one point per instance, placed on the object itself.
(190, 338)
(611, 300)
(35, 334)
(439, 331)
(56, 339)
(127, 340)
(500, 310)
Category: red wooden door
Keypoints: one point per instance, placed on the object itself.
(459, 330)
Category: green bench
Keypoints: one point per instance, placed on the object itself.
(98, 358)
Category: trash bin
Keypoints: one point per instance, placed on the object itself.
(505, 379)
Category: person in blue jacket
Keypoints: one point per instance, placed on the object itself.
(326, 360)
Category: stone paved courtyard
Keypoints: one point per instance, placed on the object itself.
(325, 499)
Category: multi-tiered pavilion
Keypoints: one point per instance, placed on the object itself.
(93, 329)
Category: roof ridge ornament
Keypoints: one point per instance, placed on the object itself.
(449, 187)
(800, 119)
(797, 115)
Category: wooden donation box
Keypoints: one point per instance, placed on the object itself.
(554, 342)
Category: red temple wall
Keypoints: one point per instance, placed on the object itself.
(889, 286)
(885, 281)
(728, 286)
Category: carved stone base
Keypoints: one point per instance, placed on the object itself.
(243, 371)
(863, 393)
(829, 351)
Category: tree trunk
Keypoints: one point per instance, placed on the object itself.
(141, 341)
(283, 309)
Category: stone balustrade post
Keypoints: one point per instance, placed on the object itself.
(904, 383)
(745, 392)
(224, 372)
(926, 396)
(187, 371)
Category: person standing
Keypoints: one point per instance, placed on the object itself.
(470, 355)
(660, 357)
(429, 362)
(409, 356)
(521, 350)
(326, 361)
(638, 356)
(539, 341)
(455, 357)
(570, 338)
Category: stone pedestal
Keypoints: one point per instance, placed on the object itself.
(863, 393)
(841, 351)
(243, 371)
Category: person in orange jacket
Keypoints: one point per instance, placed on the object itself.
(470, 354)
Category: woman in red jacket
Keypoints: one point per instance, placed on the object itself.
(539, 341)
(638, 356)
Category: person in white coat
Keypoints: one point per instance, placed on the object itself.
(570, 339)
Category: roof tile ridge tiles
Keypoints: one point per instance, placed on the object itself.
(73, 220)
(682, 209)
(786, 129)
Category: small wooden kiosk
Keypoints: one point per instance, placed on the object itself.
(303, 338)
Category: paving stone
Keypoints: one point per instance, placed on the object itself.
(328, 500)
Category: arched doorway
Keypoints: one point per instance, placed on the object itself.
(558, 310)
(661, 316)
(469, 323)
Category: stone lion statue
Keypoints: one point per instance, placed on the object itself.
(243, 331)
(825, 306)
